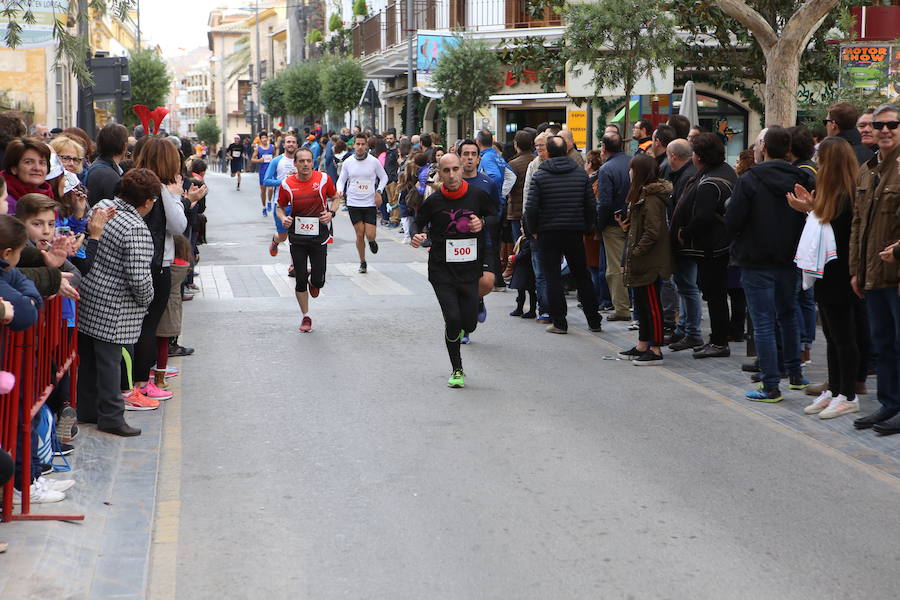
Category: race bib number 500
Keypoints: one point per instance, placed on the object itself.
(306, 226)
(459, 251)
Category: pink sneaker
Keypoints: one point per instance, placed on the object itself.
(135, 400)
(151, 391)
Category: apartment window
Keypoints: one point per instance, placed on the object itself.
(518, 16)
(244, 90)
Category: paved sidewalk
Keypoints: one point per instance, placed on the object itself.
(722, 379)
(106, 555)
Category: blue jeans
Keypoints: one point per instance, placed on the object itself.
(691, 311)
(772, 296)
(884, 321)
(807, 316)
(540, 281)
(516, 229)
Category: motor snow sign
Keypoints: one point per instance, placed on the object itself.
(864, 67)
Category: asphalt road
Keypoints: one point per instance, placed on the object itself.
(337, 464)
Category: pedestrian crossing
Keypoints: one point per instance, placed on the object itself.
(225, 282)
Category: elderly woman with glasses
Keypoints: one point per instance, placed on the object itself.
(70, 153)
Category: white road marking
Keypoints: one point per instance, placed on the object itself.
(277, 274)
(374, 283)
(222, 284)
(419, 267)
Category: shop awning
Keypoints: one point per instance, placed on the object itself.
(633, 116)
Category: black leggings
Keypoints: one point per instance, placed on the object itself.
(312, 257)
(649, 314)
(6, 467)
(145, 348)
(839, 325)
(711, 274)
(459, 303)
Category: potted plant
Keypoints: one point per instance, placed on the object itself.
(335, 23)
(360, 11)
(315, 37)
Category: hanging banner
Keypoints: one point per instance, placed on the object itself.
(864, 67)
(40, 33)
(576, 121)
(429, 48)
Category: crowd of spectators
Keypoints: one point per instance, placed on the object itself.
(112, 226)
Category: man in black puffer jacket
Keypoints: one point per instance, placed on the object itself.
(559, 209)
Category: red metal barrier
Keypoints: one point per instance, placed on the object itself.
(30, 355)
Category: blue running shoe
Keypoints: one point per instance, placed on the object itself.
(482, 311)
(544, 318)
(265, 213)
(464, 339)
(798, 382)
(762, 395)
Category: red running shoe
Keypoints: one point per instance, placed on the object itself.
(273, 248)
(306, 325)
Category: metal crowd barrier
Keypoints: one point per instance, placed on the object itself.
(38, 357)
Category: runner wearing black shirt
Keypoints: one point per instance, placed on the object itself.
(235, 154)
(453, 217)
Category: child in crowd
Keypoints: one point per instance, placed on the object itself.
(523, 279)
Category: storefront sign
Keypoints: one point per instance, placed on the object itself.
(864, 67)
(576, 121)
(40, 33)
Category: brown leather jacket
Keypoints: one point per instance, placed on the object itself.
(875, 223)
(648, 250)
(519, 165)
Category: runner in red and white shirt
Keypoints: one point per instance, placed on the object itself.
(309, 227)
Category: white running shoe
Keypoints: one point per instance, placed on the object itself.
(820, 403)
(56, 485)
(839, 406)
(39, 495)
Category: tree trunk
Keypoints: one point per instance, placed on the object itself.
(626, 134)
(782, 83)
(782, 50)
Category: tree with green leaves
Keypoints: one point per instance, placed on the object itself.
(302, 85)
(620, 42)
(150, 82)
(343, 82)
(208, 131)
(467, 75)
(271, 94)
(71, 48)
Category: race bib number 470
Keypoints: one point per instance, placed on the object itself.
(363, 186)
(306, 225)
(459, 251)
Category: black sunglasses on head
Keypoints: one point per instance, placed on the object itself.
(879, 125)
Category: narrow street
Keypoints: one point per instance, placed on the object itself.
(337, 464)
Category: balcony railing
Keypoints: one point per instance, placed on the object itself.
(388, 27)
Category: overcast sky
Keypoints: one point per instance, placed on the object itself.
(179, 25)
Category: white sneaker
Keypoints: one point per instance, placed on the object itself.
(56, 485)
(820, 403)
(634, 326)
(839, 406)
(39, 495)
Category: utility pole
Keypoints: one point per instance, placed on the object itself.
(258, 120)
(86, 119)
(138, 3)
(410, 66)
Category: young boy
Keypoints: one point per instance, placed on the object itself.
(38, 213)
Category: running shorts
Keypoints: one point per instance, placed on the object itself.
(366, 214)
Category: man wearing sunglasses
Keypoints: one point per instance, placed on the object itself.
(875, 226)
(841, 122)
(40, 130)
